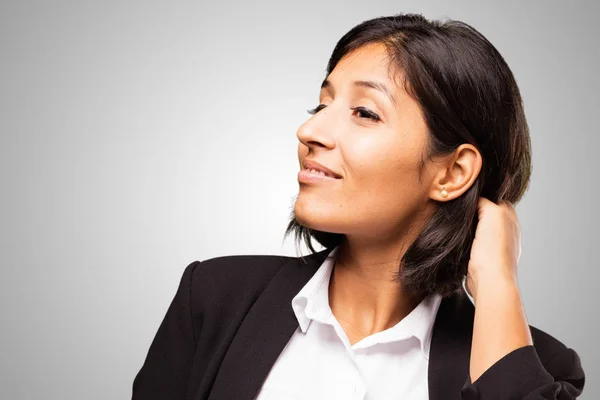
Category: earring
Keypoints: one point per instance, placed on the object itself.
(444, 193)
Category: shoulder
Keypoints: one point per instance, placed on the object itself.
(246, 272)
(232, 279)
(548, 369)
(548, 353)
(560, 360)
(236, 269)
(556, 357)
(549, 365)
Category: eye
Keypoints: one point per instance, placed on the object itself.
(316, 109)
(366, 113)
(363, 112)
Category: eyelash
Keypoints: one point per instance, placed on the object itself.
(369, 114)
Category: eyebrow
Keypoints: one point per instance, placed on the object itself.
(366, 84)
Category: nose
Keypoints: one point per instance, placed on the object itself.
(316, 131)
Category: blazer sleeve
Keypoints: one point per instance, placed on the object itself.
(166, 369)
(521, 375)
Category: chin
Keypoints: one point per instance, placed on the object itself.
(316, 217)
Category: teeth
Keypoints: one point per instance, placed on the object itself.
(314, 171)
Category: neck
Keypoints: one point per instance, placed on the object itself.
(364, 293)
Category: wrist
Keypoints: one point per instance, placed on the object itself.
(492, 283)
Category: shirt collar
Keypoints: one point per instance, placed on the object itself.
(424, 329)
(418, 323)
(312, 303)
(464, 284)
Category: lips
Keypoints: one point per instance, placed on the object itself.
(309, 164)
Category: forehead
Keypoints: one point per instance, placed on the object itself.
(368, 66)
(367, 62)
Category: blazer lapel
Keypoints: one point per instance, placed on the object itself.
(450, 348)
(266, 330)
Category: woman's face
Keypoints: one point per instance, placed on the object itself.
(379, 191)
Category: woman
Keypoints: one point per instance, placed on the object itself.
(410, 166)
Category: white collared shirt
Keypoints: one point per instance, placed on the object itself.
(319, 363)
(464, 283)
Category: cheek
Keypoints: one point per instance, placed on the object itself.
(302, 151)
(373, 161)
(382, 174)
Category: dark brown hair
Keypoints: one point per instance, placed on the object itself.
(467, 94)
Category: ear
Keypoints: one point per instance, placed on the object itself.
(456, 173)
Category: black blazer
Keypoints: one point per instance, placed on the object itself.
(231, 317)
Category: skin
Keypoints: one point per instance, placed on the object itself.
(381, 202)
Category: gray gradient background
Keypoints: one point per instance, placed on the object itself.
(138, 137)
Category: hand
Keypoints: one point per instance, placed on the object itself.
(500, 325)
(496, 248)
